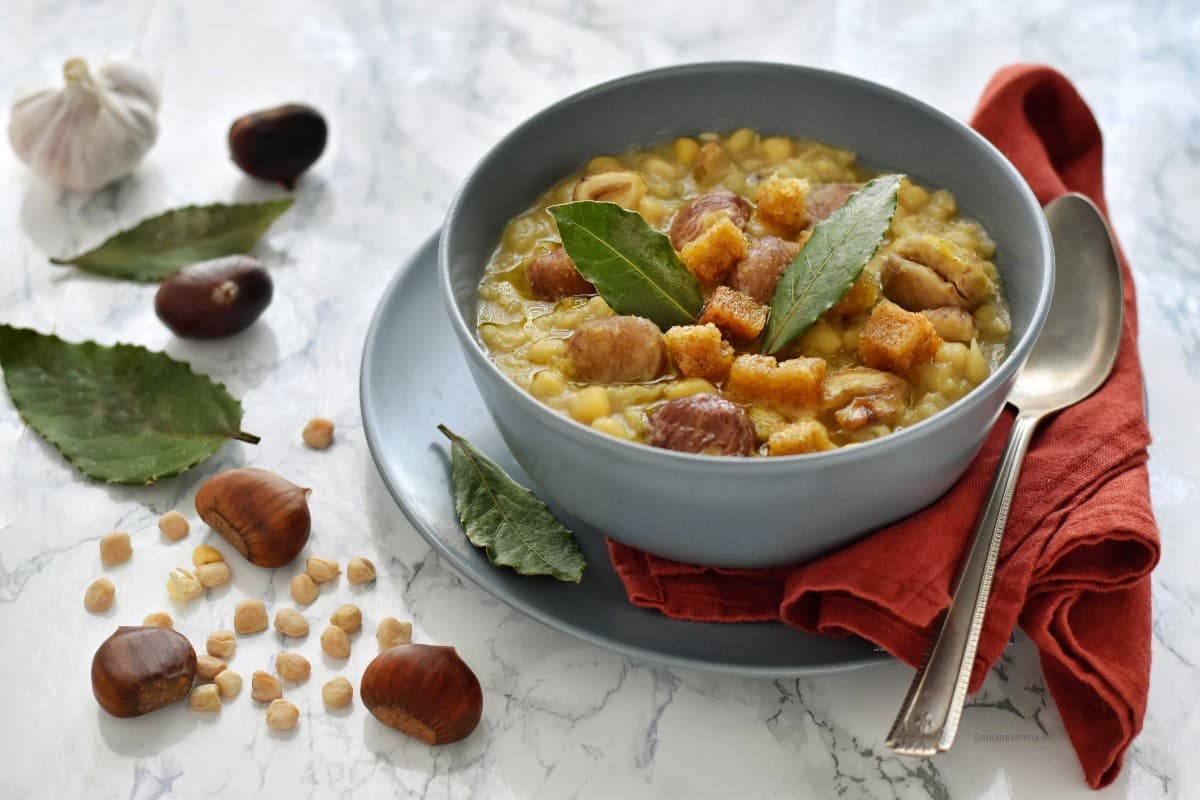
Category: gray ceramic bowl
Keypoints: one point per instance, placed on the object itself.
(734, 512)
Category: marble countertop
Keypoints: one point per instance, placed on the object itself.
(415, 92)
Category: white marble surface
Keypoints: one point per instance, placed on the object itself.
(415, 92)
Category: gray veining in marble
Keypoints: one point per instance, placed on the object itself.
(415, 93)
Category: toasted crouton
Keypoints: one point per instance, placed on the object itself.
(897, 340)
(714, 252)
(861, 296)
(789, 387)
(698, 351)
(805, 436)
(738, 316)
(781, 204)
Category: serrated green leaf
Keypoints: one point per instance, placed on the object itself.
(158, 246)
(513, 527)
(120, 414)
(632, 266)
(830, 261)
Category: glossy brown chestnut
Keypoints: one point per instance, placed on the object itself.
(278, 144)
(140, 669)
(214, 298)
(425, 691)
(261, 514)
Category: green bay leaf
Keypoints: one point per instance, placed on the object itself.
(632, 266)
(120, 414)
(506, 520)
(158, 246)
(830, 261)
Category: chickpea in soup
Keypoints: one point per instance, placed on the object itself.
(924, 323)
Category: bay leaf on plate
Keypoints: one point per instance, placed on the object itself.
(158, 246)
(120, 414)
(830, 261)
(632, 266)
(512, 526)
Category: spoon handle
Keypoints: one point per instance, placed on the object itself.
(929, 717)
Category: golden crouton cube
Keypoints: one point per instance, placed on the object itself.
(897, 340)
(698, 351)
(805, 436)
(740, 317)
(790, 386)
(861, 296)
(781, 204)
(712, 254)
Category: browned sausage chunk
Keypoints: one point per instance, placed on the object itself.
(757, 273)
(691, 221)
(617, 350)
(826, 198)
(553, 275)
(702, 423)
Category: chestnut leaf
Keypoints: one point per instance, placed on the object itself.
(506, 520)
(158, 246)
(120, 414)
(830, 261)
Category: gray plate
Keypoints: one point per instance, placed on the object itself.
(413, 377)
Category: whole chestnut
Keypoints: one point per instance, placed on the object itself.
(261, 514)
(278, 144)
(141, 669)
(216, 298)
(424, 691)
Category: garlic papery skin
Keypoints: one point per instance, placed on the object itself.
(91, 131)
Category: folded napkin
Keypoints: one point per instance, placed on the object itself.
(1081, 538)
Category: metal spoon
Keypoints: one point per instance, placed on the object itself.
(1072, 358)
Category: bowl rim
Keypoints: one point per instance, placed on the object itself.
(626, 449)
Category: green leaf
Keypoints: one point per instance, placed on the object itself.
(830, 262)
(120, 414)
(632, 266)
(512, 526)
(157, 246)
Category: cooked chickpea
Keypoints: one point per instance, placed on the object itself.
(544, 350)
(976, 367)
(392, 632)
(741, 140)
(304, 589)
(206, 554)
(291, 623)
(115, 548)
(208, 667)
(264, 686)
(335, 642)
(337, 693)
(589, 404)
(688, 387)
(99, 596)
(604, 164)
(611, 426)
(250, 616)
(205, 698)
(221, 644)
(547, 383)
(159, 619)
(348, 618)
(686, 150)
(214, 574)
(282, 715)
(359, 571)
(318, 433)
(322, 570)
(776, 148)
(174, 526)
(228, 682)
(292, 667)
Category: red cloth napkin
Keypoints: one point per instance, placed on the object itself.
(1081, 538)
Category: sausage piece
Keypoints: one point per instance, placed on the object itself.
(757, 274)
(825, 198)
(553, 275)
(617, 350)
(691, 221)
(702, 423)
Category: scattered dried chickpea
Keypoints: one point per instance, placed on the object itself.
(173, 525)
(206, 554)
(335, 642)
(228, 682)
(115, 548)
(208, 667)
(322, 570)
(318, 433)
(291, 622)
(99, 596)
(250, 616)
(205, 697)
(292, 667)
(282, 715)
(337, 693)
(348, 618)
(392, 632)
(304, 590)
(159, 619)
(183, 586)
(221, 644)
(264, 686)
(360, 571)
(213, 575)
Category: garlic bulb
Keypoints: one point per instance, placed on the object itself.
(91, 131)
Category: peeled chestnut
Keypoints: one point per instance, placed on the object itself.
(425, 691)
(278, 144)
(141, 669)
(214, 298)
(261, 514)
